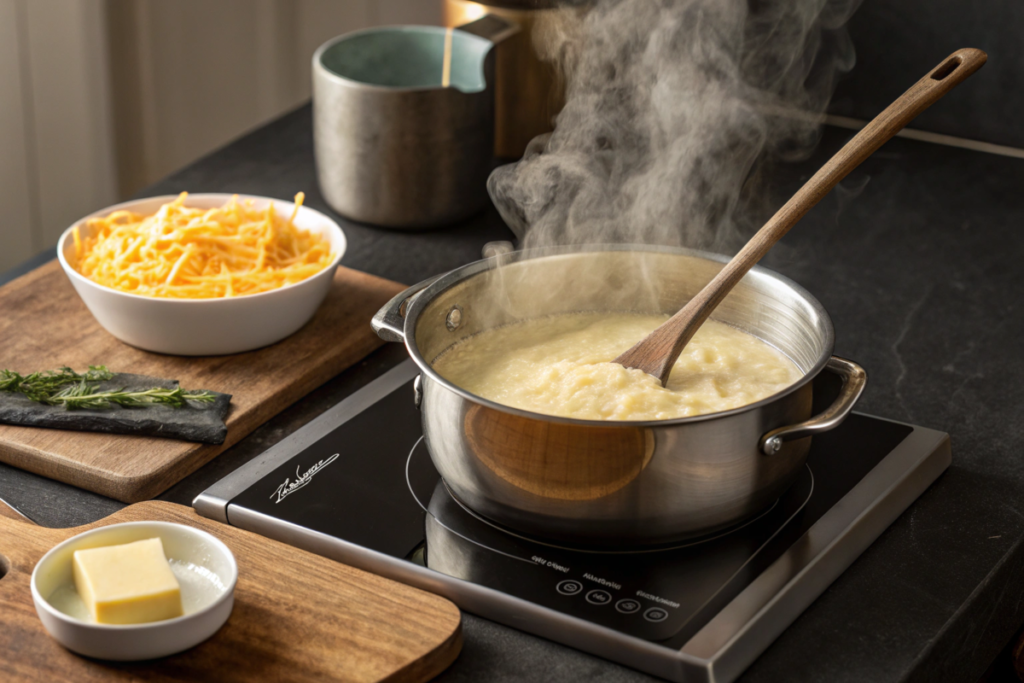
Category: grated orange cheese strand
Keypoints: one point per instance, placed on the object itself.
(182, 252)
(180, 262)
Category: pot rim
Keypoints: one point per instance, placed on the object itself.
(320, 68)
(421, 299)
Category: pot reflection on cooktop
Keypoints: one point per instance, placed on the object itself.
(652, 593)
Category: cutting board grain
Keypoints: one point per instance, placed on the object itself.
(297, 617)
(45, 325)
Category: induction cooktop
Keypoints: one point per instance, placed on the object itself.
(357, 485)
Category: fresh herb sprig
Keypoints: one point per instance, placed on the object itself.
(65, 387)
(40, 386)
(85, 396)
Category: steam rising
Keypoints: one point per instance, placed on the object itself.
(673, 108)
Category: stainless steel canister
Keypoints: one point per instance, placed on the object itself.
(615, 483)
(403, 122)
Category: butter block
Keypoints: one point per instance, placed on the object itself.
(127, 584)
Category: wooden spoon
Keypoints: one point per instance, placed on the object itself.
(657, 352)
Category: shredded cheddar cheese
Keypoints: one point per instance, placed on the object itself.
(189, 253)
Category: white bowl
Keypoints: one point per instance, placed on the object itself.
(205, 327)
(135, 642)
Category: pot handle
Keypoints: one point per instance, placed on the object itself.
(854, 380)
(389, 322)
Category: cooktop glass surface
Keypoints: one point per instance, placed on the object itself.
(370, 482)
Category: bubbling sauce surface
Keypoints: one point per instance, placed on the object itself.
(560, 365)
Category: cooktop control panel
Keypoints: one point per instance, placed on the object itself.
(653, 595)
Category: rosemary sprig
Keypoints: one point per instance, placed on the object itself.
(41, 385)
(65, 387)
(84, 395)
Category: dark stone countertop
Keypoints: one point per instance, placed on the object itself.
(917, 257)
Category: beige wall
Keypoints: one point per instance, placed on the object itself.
(17, 234)
(194, 74)
(56, 145)
(99, 98)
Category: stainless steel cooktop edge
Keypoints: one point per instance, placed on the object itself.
(738, 634)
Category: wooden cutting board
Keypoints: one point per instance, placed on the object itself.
(297, 617)
(45, 325)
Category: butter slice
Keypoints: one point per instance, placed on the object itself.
(128, 584)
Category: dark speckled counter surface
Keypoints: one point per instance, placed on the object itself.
(919, 259)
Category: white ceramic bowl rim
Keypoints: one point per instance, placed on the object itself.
(73, 272)
(213, 540)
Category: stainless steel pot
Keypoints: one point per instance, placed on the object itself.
(615, 483)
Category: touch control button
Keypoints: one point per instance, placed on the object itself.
(655, 614)
(569, 587)
(599, 597)
(627, 606)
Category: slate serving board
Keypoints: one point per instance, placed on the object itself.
(199, 422)
(45, 325)
(297, 617)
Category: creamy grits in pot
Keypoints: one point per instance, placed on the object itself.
(561, 365)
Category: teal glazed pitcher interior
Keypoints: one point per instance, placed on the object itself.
(403, 122)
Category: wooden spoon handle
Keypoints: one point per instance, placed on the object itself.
(656, 353)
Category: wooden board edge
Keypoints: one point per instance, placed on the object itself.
(10, 513)
(133, 489)
(433, 664)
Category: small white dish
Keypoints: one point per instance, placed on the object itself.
(206, 607)
(206, 327)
